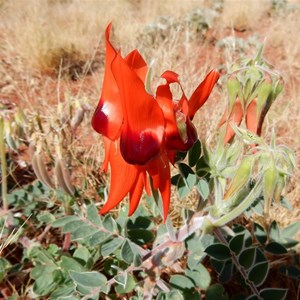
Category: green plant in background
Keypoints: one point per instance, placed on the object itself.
(219, 242)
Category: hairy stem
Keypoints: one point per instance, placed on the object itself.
(235, 212)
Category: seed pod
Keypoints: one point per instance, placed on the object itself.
(63, 177)
(43, 170)
(280, 184)
(59, 177)
(66, 176)
(233, 87)
(270, 182)
(241, 177)
(40, 170)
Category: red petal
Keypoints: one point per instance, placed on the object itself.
(169, 107)
(123, 178)
(236, 117)
(159, 170)
(251, 118)
(108, 117)
(202, 92)
(107, 145)
(143, 129)
(135, 193)
(136, 62)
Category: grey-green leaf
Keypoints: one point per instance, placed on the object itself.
(218, 251)
(247, 257)
(258, 273)
(91, 279)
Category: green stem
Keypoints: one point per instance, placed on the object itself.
(235, 212)
(3, 166)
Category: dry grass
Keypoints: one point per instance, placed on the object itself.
(244, 15)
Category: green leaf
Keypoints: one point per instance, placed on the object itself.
(290, 271)
(72, 226)
(252, 297)
(201, 167)
(93, 215)
(181, 282)
(112, 265)
(183, 190)
(125, 286)
(191, 295)
(274, 231)
(127, 252)
(41, 255)
(203, 188)
(275, 248)
(172, 295)
(291, 230)
(111, 246)
(88, 279)
(64, 291)
(260, 233)
(63, 221)
(140, 236)
(200, 276)
(139, 223)
(188, 175)
(258, 273)
(4, 267)
(216, 291)
(180, 156)
(42, 271)
(226, 273)
(98, 238)
(236, 244)
(247, 257)
(83, 232)
(110, 224)
(239, 229)
(218, 251)
(46, 217)
(289, 243)
(175, 179)
(69, 263)
(260, 257)
(44, 285)
(217, 265)
(194, 258)
(82, 253)
(273, 294)
(194, 153)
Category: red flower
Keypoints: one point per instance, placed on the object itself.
(142, 133)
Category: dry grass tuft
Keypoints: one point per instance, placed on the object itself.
(243, 15)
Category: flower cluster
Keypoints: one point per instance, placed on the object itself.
(252, 89)
(142, 133)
